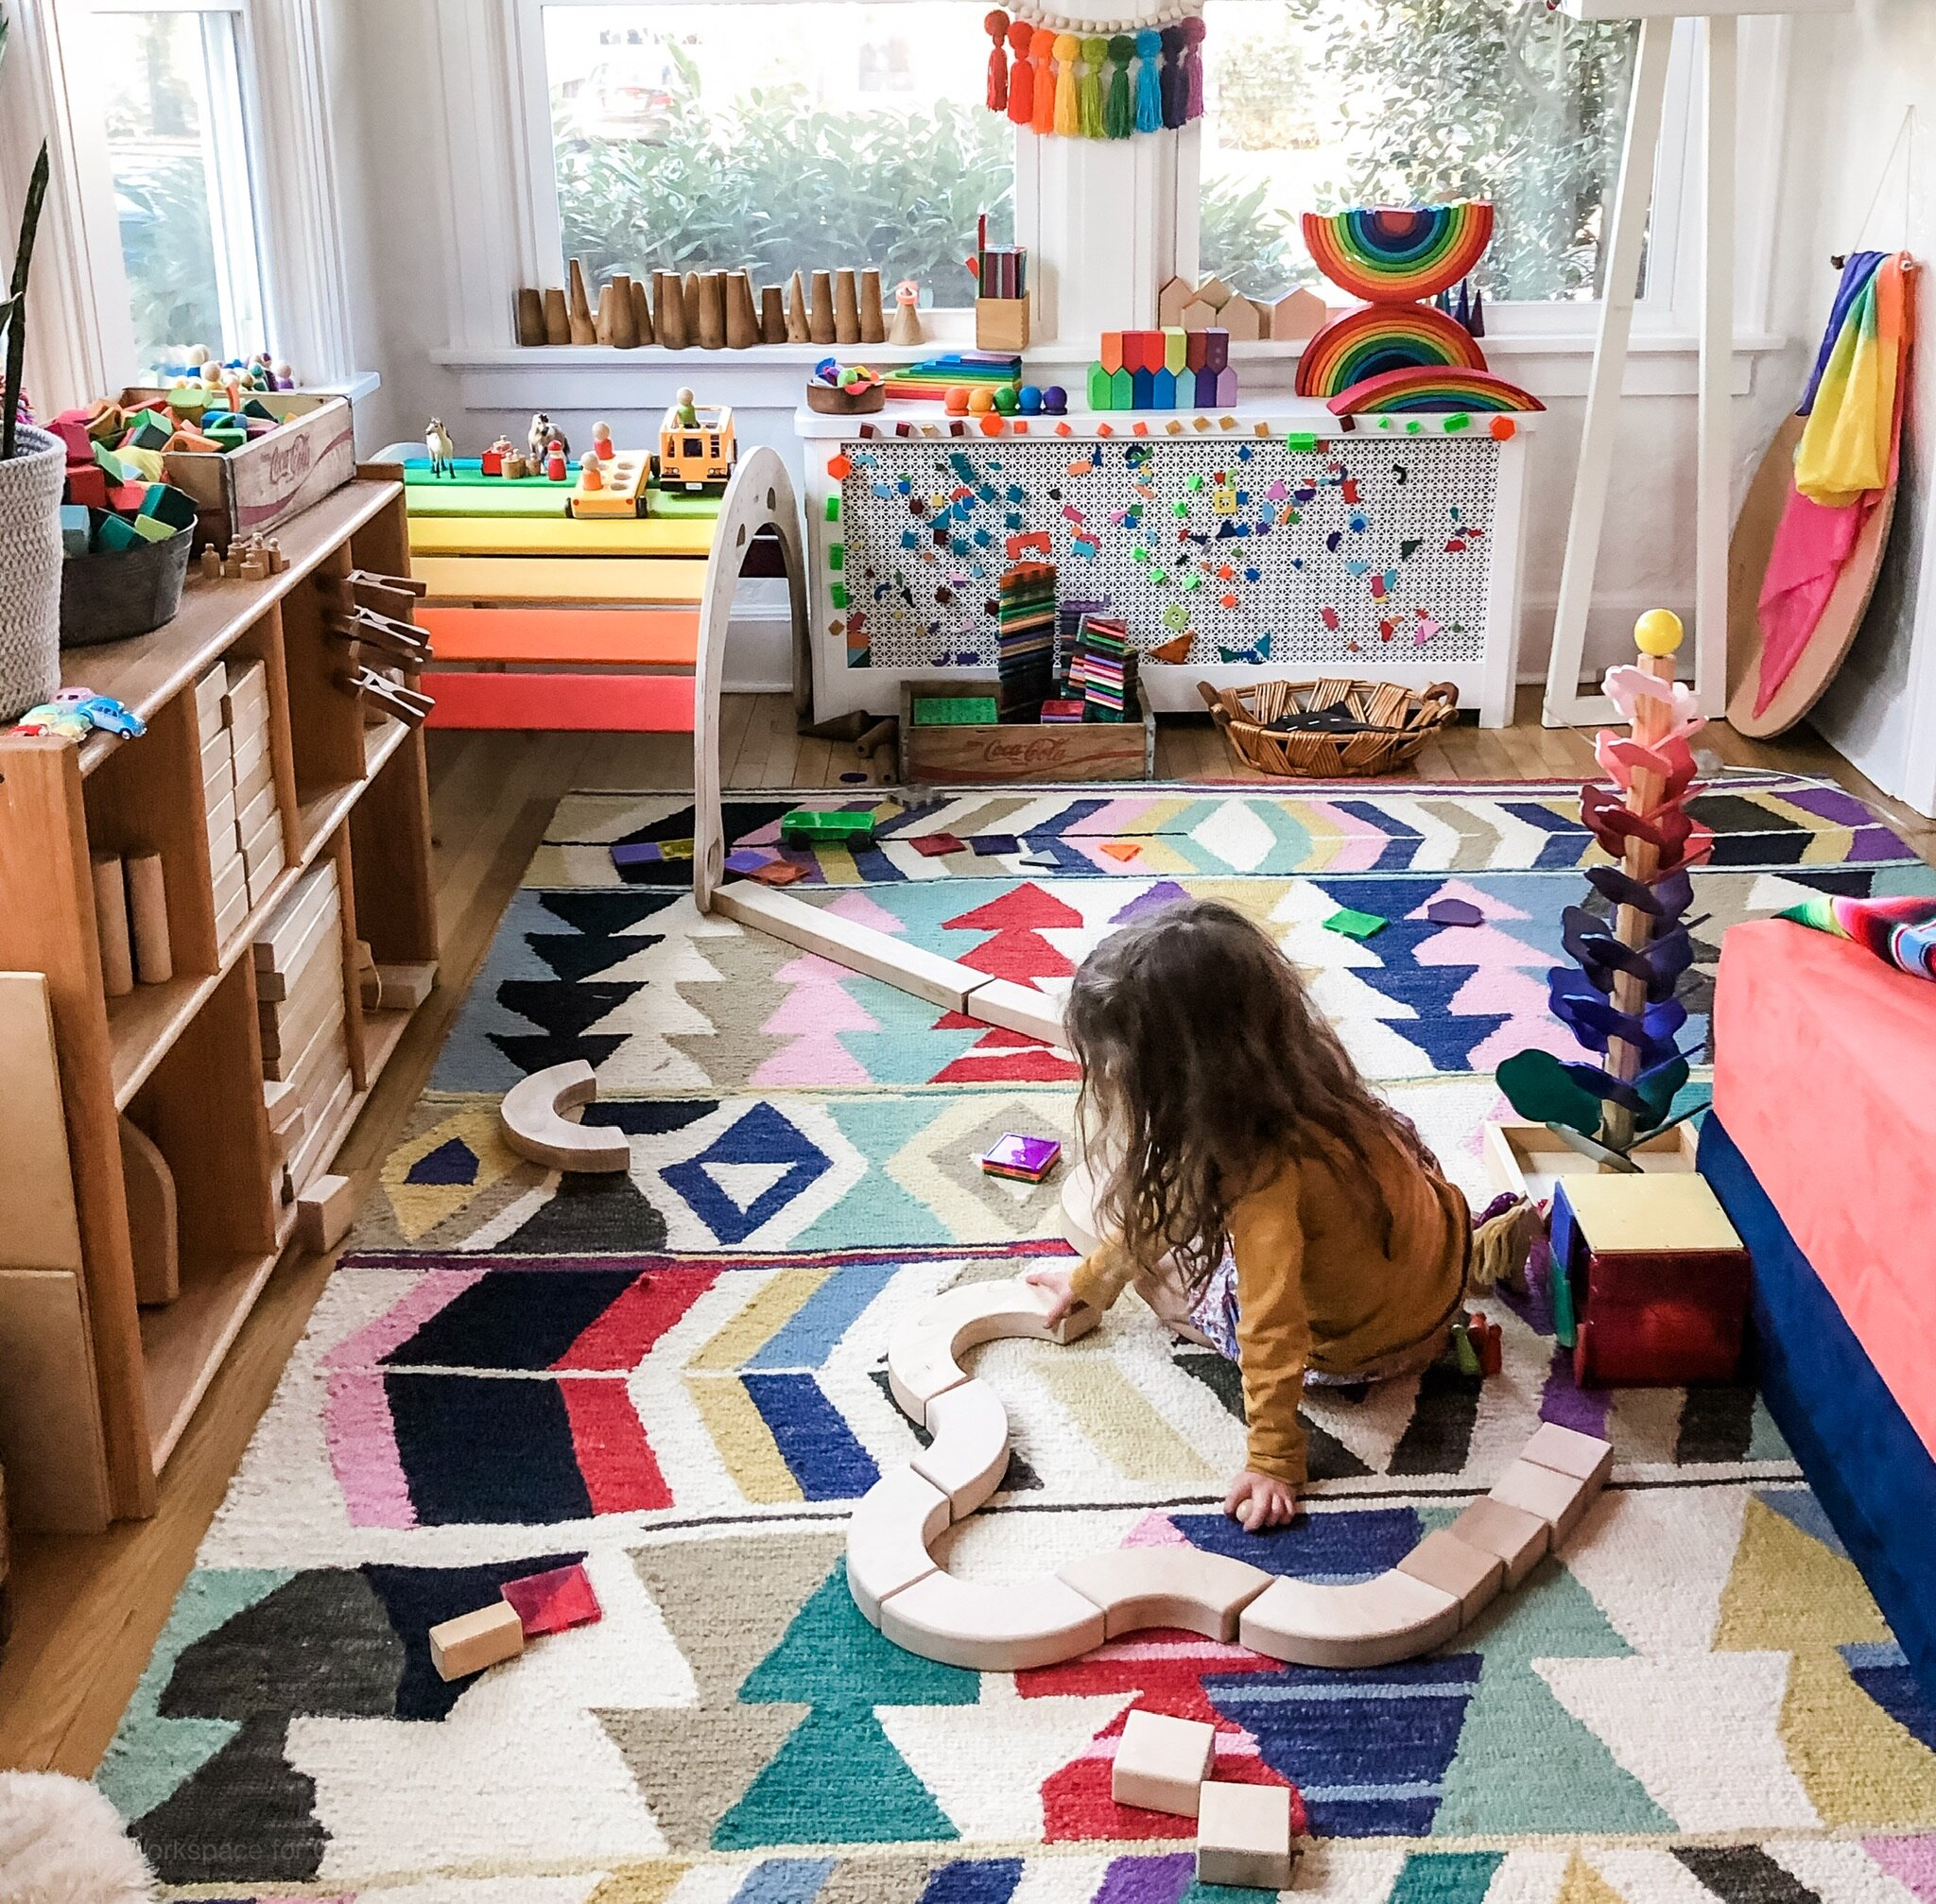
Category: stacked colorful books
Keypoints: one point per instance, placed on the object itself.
(932, 379)
(1027, 1160)
(1025, 638)
(1104, 669)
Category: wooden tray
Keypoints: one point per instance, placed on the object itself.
(988, 755)
(1528, 1159)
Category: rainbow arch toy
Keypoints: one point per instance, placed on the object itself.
(1381, 338)
(1390, 255)
(1432, 387)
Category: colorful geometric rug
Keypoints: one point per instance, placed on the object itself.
(677, 1375)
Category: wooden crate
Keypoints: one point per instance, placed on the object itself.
(260, 486)
(1528, 1158)
(988, 755)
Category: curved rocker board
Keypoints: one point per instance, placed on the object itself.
(1829, 645)
(1006, 1626)
(534, 1126)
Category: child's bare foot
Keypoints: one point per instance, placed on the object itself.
(1260, 1500)
(1059, 1283)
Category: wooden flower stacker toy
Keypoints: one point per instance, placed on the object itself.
(1618, 998)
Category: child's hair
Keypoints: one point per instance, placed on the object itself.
(1205, 1066)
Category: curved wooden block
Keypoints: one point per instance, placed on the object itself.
(969, 1454)
(1137, 1586)
(1081, 1230)
(1369, 1623)
(888, 1538)
(534, 1128)
(922, 1353)
(1000, 1626)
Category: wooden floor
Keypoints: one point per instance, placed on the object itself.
(87, 1610)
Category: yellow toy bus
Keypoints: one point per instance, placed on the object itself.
(695, 446)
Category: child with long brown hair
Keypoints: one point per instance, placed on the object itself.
(1243, 1161)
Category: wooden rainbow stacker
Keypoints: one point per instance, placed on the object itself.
(543, 617)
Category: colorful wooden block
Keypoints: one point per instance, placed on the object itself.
(1099, 389)
(1122, 390)
(1217, 349)
(1163, 390)
(1143, 395)
(1175, 349)
(1185, 1587)
(1110, 352)
(1162, 1762)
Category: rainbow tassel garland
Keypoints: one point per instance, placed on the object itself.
(1054, 77)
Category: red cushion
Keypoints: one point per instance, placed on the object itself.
(1826, 1077)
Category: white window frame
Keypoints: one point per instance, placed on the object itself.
(84, 345)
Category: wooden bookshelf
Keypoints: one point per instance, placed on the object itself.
(184, 1058)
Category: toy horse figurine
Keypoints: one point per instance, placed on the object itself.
(543, 435)
(443, 456)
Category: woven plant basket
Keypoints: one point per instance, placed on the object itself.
(30, 571)
(1397, 721)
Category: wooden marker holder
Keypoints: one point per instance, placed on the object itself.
(1001, 323)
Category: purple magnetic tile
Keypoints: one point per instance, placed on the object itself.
(988, 844)
(638, 852)
(747, 861)
(1454, 912)
(1015, 1151)
(1148, 1881)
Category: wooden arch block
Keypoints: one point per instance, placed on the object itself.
(969, 1454)
(894, 1525)
(534, 1125)
(1370, 1623)
(923, 1353)
(991, 1626)
(1137, 1586)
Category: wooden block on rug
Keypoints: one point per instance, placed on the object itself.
(859, 948)
(471, 1641)
(923, 1353)
(1161, 1763)
(1566, 1451)
(1372, 1622)
(969, 1453)
(1471, 1574)
(991, 1626)
(1516, 1537)
(1243, 1836)
(531, 1117)
(1137, 1586)
(1018, 1008)
(889, 1534)
(403, 988)
(1558, 1500)
(325, 1212)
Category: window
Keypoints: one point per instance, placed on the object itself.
(800, 136)
(171, 92)
(1320, 104)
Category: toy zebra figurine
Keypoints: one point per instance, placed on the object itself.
(443, 456)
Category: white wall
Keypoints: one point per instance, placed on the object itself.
(409, 182)
(1855, 80)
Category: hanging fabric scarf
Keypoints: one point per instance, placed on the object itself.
(1058, 76)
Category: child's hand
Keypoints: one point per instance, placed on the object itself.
(1059, 1283)
(1260, 1500)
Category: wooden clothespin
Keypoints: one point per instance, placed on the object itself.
(405, 703)
(399, 639)
(387, 594)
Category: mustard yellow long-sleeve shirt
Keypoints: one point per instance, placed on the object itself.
(1317, 1285)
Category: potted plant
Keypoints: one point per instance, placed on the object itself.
(32, 467)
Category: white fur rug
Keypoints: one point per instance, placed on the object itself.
(62, 1843)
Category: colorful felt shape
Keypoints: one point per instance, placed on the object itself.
(1354, 924)
(1900, 932)
(1395, 254)
(1432, 389)
(1600, 954)
(1664, 897)
(1378, 339)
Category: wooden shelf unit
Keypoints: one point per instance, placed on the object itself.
(184, 1058)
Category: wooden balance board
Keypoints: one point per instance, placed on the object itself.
(1747, 554)
(1005, 1626)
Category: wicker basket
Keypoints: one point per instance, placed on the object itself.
(1397, 720)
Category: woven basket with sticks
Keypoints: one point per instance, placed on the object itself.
(1314, 730)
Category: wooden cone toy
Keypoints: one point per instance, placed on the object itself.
(821, 323)
(713, 311)
(798, 328)
(671, 320)
(601, 317)
(846, 309)
(873, 330)
(772, 314)
(641, 314)
(583, 329)
(557, 318)
(624, 327)
(530, 317)
(742, 320)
